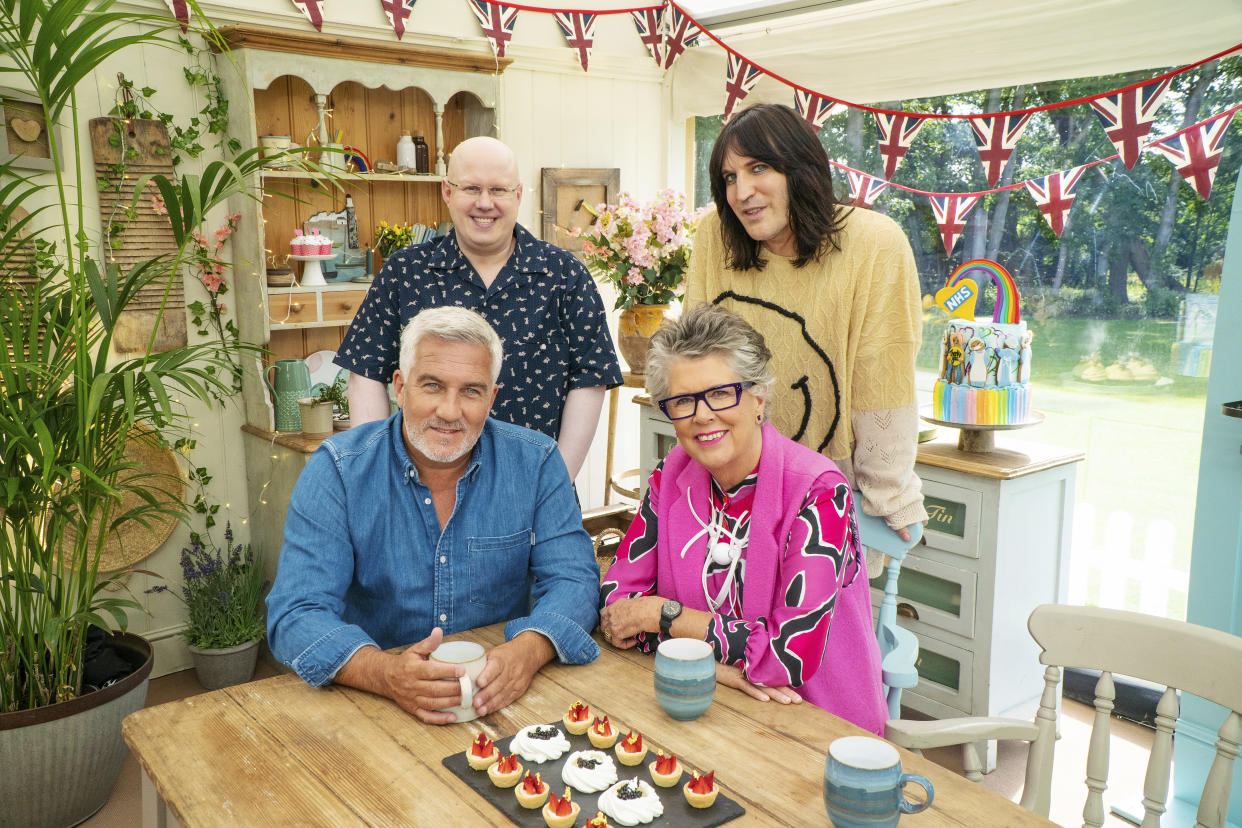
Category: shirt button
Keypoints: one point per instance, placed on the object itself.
(443, 617)
(443, 559)
(427, 500)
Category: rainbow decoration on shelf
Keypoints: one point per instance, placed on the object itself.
(1008, 303)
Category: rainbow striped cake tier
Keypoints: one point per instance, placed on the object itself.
(981, 406)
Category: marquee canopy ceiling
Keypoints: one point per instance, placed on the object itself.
(873, 51)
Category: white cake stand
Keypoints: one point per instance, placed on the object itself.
(312, 271)
(978, 439)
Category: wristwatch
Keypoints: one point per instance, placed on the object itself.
(668, 613)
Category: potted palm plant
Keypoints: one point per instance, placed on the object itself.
(68, 409)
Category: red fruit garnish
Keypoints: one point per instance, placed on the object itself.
(482, 746)
(632, 743)
(532, 784)
(665, 764)
(507, 764)
(578, 712)
(560, 805)
(602, 726)
(703, 784)
(597, 821)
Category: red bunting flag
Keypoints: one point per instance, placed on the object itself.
(950, 212)
(1196, 151)
(995, 137)
(1127, 117)
(682, 33)
(864, 189)
(740, 77)
(497, 21)
(896, 134)
(813, 108)
(313, 11)
(398, 11)
(1054, 196)
(579, 31)
(647, 21)
(181, 11)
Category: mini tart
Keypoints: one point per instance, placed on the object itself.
(505, 779)
(666, 780)
(625, 755)
(525, 797)
(485, 761)
(603, 740)
(700, 800)
(598, 821)
(577, 726)
(556, 820)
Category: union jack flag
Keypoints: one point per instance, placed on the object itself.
(497, 21)
(1127, 117)
(814, 109)
(1196, 151)
(995, 138)
(864, 189)
(740, 77)
(398, 11)
(180, 11)
(682, 33)
(312, 10)
(648, 22)
(951, 211)
(1054, 196)
(579, 31)
(896, 134)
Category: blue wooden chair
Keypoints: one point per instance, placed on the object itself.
(899, 648)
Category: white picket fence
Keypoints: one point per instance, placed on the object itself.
(1102, 568)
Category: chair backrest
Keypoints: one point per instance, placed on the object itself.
(1178, 655)
(899, 648)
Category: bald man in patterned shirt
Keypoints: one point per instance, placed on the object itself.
(559, 356)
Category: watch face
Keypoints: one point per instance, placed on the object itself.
(671, 608)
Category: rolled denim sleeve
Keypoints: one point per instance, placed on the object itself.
(566, 577)
(305, 607)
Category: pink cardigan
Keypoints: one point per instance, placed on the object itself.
(848, 682)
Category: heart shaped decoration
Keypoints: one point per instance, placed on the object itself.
(959, 300)
(27, 129)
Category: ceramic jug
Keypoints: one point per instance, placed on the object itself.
(291, 384)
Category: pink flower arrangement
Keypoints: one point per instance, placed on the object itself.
(642, 250)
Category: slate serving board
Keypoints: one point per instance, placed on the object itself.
(677, 812)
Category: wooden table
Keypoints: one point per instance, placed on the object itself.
(277, 751)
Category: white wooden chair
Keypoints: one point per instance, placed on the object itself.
(899, 648)
(1175, 654)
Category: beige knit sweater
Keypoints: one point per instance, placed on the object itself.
(843, 331)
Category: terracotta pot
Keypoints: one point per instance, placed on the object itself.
(62, 761)
(635, 327)
(316, 416)
(226, 666)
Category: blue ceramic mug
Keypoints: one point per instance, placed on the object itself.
(863, 784)
(685, 677)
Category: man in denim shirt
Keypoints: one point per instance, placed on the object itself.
(437, 519)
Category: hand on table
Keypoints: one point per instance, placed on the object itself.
(731, 676)
(622, 621)
(510, 668)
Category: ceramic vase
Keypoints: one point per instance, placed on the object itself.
(634, 329)
(226, 666)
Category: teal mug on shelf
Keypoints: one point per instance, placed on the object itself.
(685, 677)
(292, 382)
(863, 784)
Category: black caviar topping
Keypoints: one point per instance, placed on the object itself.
(544, 733)
(630, 791)
(584, 762)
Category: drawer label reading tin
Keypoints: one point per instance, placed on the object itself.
(947, 516)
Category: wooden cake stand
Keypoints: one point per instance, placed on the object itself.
(979, 439)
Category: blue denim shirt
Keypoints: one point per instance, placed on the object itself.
(364, 560)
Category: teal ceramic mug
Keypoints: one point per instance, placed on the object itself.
(292, 382)
(685, 677)
(863, 784)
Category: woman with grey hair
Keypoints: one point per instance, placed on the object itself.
(745, 539)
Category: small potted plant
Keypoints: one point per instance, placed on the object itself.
(223, 593)
(317, 411)
(336, 394)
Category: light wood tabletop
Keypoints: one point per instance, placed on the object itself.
(278, 751)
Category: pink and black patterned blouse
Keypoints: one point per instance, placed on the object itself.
(820, 557)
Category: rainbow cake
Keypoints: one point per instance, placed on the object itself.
(985, 367)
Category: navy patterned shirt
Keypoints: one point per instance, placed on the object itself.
(543, 304)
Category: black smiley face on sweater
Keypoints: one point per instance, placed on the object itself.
(806, 379)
